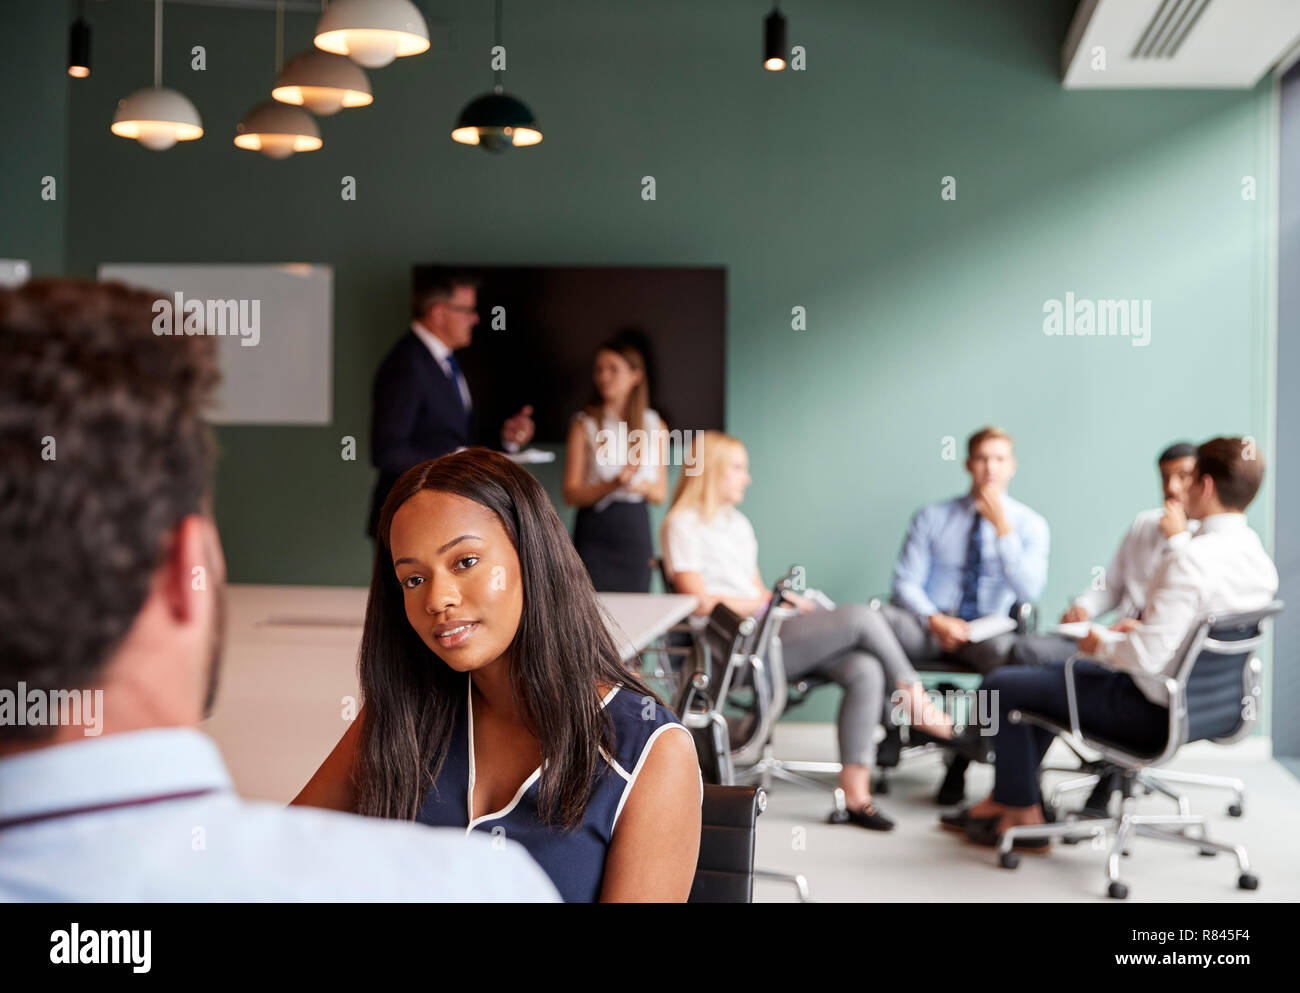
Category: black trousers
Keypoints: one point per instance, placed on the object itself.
(614, 545)
(1110, 705)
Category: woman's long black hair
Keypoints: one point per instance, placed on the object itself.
(560, 652)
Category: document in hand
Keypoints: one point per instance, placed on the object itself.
(531, 456)
(1077, 629)
(990, 626)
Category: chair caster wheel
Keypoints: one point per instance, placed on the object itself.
(1069, 840)
(882, 787)
(1117, 891)
(1209, 853)
(1248, 881)
(1126, 853)
(1147, 791)
(1009, 860)
(838, 817)
(1234, 810)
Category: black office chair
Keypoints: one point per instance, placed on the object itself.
(725, 870)
(731, 658)
(1214, 696)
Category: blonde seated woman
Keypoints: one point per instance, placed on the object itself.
(710, 551)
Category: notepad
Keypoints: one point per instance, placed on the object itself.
(984, 628)
(1077, 629)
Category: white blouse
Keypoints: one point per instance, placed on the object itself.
(724, 550)
(608, 446)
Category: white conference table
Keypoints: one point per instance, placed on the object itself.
(289, 682)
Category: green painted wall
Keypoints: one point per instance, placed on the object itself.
(34, 125)
(818, 189)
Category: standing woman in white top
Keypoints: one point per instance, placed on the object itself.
(617, 460)
(710, 552)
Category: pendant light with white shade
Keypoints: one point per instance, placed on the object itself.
(372, 32)
(322, 82)
(278, 130)
(157, 117)
(495, 121)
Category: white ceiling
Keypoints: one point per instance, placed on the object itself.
(1173, 44)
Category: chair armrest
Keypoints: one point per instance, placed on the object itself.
(1170, 686)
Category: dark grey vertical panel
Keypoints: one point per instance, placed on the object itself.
(1286, 654)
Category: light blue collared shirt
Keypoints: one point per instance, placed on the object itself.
(218, 847)
(1013, 568)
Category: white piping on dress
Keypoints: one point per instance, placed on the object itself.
(645, 754)
(519, 794)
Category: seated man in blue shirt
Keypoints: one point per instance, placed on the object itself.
(971, 556)
(111, 604)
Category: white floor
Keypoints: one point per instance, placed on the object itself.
(920, 862)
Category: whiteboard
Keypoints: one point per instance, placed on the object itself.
(273, 325)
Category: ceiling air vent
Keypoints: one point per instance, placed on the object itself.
(1168, 29)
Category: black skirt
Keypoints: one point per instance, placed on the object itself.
(614, 545)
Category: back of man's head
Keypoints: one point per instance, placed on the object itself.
(103, 456)
(1235, 465)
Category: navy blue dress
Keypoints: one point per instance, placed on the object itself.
(575, 860)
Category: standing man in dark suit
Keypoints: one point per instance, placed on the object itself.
(422, 404)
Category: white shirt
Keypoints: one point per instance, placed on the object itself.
(608, 445)
(1223, 569)
(724, 551)
(217, 847)
(441, 353)
(1135, 562)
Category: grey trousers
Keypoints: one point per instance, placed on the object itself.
(853, 646)
(919, 642)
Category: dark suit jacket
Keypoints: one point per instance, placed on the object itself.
(417, 416)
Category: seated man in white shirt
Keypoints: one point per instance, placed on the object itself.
(1223, 569)
(1123, 586)
(111, 596)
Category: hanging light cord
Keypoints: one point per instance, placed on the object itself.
(157, 44)
(496, 73)
(279, 35)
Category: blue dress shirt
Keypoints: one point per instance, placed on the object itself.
(928, 572)
(215, 846)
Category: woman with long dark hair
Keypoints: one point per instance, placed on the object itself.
(616, 461)
(495, 698)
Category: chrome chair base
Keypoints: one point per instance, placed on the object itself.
(1183, 828)
(1154, 780)
(796, 879)
(769, 767)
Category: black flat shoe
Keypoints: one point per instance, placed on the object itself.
(867, 816)
(959, 820)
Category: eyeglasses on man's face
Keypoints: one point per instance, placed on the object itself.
(458, 308)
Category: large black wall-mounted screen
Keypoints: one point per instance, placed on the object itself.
(556, 317)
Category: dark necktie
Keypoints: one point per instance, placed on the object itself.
(970, 577)
(454, 366)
